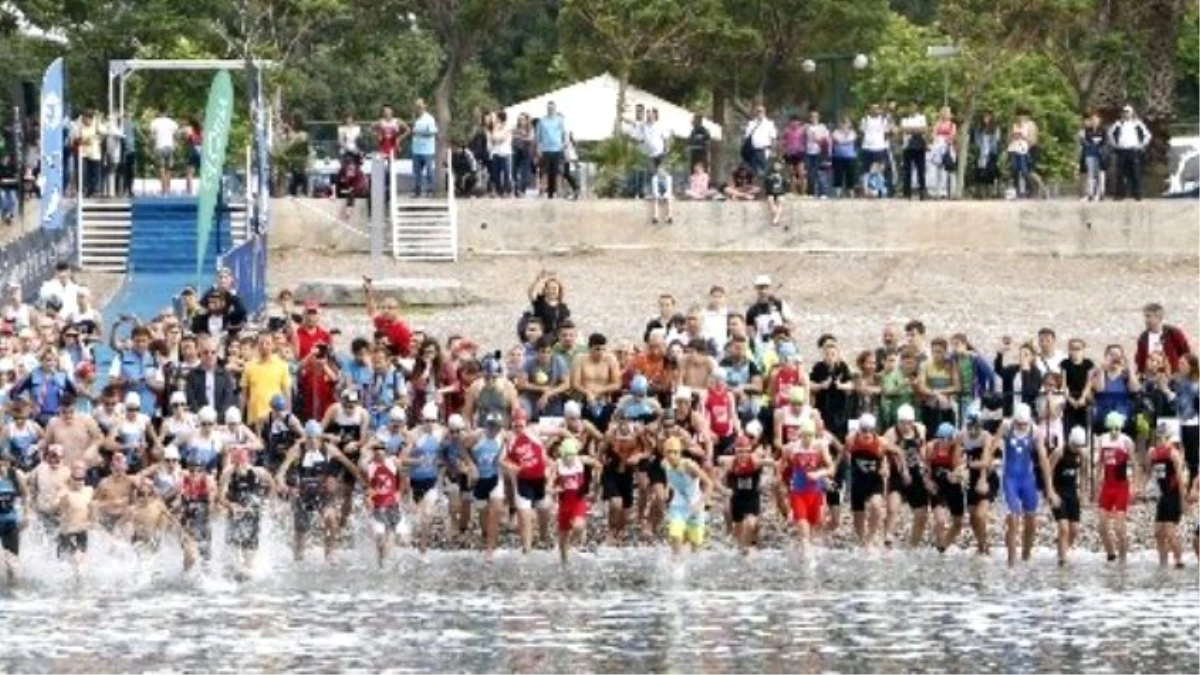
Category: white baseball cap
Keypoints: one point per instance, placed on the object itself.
(762, 280)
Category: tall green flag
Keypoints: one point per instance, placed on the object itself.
(217, 117)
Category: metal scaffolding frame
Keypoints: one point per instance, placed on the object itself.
(120, 70)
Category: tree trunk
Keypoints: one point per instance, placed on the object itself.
(442, 95)
(1162, 19)
(720, 115)
(964, 142)
(622, 87)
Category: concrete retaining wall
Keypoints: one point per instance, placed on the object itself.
(1152, 227)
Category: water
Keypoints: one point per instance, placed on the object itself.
(616, 610)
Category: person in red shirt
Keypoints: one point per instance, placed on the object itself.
(383, 498)
(310, 333)
(318, 379)
(387, 321)
(525, 458)
(1160, 336)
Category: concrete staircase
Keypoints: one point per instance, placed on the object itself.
(107, 229)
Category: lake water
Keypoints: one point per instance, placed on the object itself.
(615, 610)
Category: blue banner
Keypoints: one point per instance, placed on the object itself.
(53, 117)
(248, 263)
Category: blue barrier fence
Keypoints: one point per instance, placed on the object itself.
(30, 259)
(248, 262)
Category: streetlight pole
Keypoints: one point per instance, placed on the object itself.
(858, 61)
(943, 53)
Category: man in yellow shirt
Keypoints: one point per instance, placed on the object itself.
(263, 378)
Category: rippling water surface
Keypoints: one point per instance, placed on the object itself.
(610, 611)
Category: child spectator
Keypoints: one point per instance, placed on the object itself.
(775, 186)
(699, 184)
(662, 187)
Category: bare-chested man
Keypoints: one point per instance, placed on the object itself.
(114, 493)
(697, 366)
(79, 436)
(47, 484)
(596, 377)
(147, 519)
(76, 512)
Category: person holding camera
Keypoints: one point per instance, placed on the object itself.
(319, 375)
(1114, 384)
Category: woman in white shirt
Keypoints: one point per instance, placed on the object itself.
(348, 135)
(500, 148)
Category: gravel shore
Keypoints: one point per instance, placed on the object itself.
(851, 296)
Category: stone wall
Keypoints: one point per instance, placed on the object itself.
(488, 226)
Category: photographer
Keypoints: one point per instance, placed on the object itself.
(319, 377)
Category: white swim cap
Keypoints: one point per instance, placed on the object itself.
(1022, 414)
(572, 410)
(456, 422)
(178, 397)
(397, 415)
(207, 414)
(430, 412)
(132, 400)
(1078, 437)
(754, 428)
(867, 421)
(906, 414)
(171, 452)
(233, 415)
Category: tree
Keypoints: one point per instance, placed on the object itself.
(621, 35)
(462, 28)
(988, 33)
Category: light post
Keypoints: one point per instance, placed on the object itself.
(943, 53)
(836, 66)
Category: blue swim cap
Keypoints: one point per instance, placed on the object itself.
(945, 430)
(278, 403)
(639, 385)
(787, 350)
(312, 428)
(491, 367)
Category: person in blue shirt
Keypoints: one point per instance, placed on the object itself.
(424, 149)
(551, 141)
(46, 386)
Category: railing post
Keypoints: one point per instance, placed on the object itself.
(452, 205)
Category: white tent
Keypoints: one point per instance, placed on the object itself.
(590, 108)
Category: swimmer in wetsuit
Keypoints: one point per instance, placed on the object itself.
(14, 497)
(314, 487)
(868, 477)
(347, 424)
(1170, 472)
(743, 476)
(906, 442)
(243, 489)
(422, 462)
(482, 466)
(197, 494)
(982, 482)
(947, 473)
(453, 479)
(1067, 464)
(624, 447)
(1024, 454)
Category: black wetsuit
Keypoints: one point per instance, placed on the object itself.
(1066, 484)
(244, 492)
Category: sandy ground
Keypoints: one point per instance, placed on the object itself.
(851, 296)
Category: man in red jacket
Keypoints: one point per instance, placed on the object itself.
(1159, 336)
(387, 320)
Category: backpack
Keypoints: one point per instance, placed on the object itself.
(748, 144)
